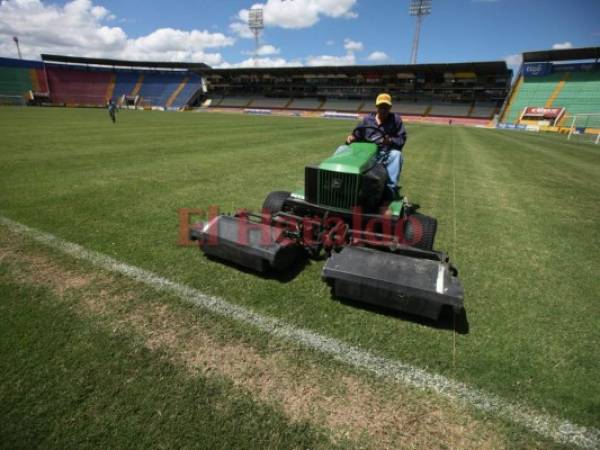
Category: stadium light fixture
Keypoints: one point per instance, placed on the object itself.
(419, 9)
(256, 25)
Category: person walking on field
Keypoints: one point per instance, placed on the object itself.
(112, 110)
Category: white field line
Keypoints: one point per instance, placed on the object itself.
(561, 431)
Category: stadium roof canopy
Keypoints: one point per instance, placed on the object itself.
(567, 54)
(487, 67)
(122, 63)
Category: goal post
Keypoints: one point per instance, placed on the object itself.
(584, 128)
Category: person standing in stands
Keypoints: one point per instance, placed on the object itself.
(112, 110)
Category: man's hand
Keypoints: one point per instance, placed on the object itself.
(387, 140)
(350, 139)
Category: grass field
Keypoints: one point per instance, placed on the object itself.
(518, 214)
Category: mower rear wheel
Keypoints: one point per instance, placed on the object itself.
(275, 201)
(428, 226)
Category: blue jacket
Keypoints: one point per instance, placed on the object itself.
(393, 127)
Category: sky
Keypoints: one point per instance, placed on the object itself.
(297, 32)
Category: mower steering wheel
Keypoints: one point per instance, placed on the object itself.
(376, 138)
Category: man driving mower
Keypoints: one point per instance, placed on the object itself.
(393, 137)
(380, 250)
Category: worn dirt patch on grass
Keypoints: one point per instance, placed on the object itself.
(382, 416)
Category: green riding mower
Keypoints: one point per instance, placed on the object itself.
(379, 248)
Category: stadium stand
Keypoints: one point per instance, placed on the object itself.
(191, 86)
(18, 77)
(212, 101)
(77, 87)
(157, 87)
(436, 91)
(534, 91)
(581, 95)
(463, 90)
(235, 102)
(484, 109)
(450, 109)
(269, 102)
(125, 83)
(342, 105)
(305, 103)
(545, 81)
(79, 81)
(416, 107)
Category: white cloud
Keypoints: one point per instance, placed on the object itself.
(514, 60)
(562, 45)
(168, 39)
(330, 42)
(319, 60)
(352, 46)
(241, 29)
(377, 57)
(99, 12)
(295, 13)
(261, 62)
(328, 60)
(78, 28)
(264, 50)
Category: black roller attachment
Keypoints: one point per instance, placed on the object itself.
(256, 246)
(423, 286)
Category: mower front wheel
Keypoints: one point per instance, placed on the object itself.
(425, 236)
(275, 201)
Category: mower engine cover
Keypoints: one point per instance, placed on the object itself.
(348, 179)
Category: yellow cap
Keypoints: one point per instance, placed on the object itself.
(383, 99)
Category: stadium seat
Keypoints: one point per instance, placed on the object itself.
(577, 92)
(189, 90)
(158, 87)
(235, 102)
(418, 107)
(18, 77)
(533, 91)
(305, 103)
(125, 83)
(484, 110)
(342, 105)
(78, 87)
(268, 102)
(450, 109)
(581, 95)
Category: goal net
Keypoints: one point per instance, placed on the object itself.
(584, 128)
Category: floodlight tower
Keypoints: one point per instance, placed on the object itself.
(16, 39)
(420, 9)
(256, 25)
